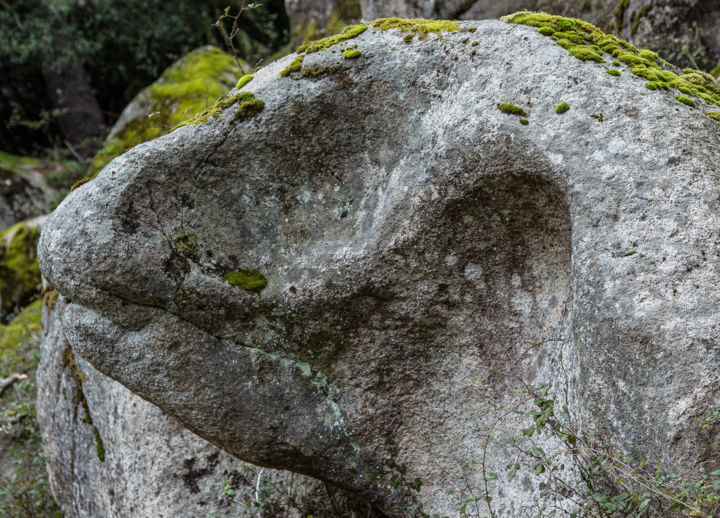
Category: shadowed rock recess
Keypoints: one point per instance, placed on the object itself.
(345, 263)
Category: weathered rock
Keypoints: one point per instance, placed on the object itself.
(111, 453)
(24, 191)
(351, 272)
(187, 87)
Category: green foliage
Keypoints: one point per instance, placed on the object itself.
(24, 490)
(123, 47)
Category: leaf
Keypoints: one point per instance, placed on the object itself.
(492, 476)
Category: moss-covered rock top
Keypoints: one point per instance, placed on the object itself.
(184, 90)
(588, 43)
(19, 272)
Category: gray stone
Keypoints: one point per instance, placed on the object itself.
(110, 453)
(415, 239)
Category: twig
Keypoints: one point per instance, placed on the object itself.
(8, 382)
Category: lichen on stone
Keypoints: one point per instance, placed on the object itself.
(186, 243)
(249, 280)
(511, 109)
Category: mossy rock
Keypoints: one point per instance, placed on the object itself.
(29, 186)
(19, 272)
(20, 340)
(184, 90)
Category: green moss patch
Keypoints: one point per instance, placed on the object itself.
(325, 43)
(686, 100)
(244, 80)
(351, 53)
(562, 108)
(19, 271)
(420, 27)
(248, 280)
(316, 46)
(714, 115)
(248, 107)
(524, 122)
(588, 43)
(613, 72)
(183, 91)
(294, 66)
(511, 109)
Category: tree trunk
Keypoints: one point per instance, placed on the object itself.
(68, 86)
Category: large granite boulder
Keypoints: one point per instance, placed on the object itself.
(337, 270)
(110, 453)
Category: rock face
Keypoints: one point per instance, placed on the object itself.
(111, 453)
(342, 277)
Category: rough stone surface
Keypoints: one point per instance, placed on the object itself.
(151, 465)
(414, 239)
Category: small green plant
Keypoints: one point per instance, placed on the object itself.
(562, 108)
(511, 109)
